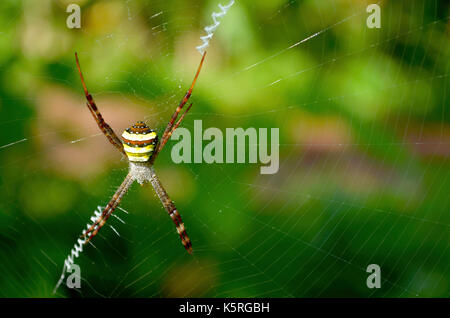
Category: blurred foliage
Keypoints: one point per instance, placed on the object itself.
(364, 146)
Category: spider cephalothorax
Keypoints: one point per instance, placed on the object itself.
(139, 142)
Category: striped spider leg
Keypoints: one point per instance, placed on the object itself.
(171, 209)
(139, 143)
(104, 127)
(170, 128)
(109, 209)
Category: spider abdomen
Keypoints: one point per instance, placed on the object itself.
(139, 142)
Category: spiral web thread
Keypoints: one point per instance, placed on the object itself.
(78, 247)
(211, 28)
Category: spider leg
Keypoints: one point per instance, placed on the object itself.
(109, 209)
(169, 134)
(170, 125)
(104, 127)
(171, 210)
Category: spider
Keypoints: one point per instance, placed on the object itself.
(141, 146)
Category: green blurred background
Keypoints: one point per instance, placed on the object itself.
(364, 147)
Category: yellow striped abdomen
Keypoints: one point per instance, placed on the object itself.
(139, 142)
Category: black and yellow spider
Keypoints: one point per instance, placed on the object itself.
(141, 146)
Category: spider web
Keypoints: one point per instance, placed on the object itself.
(364, 146)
